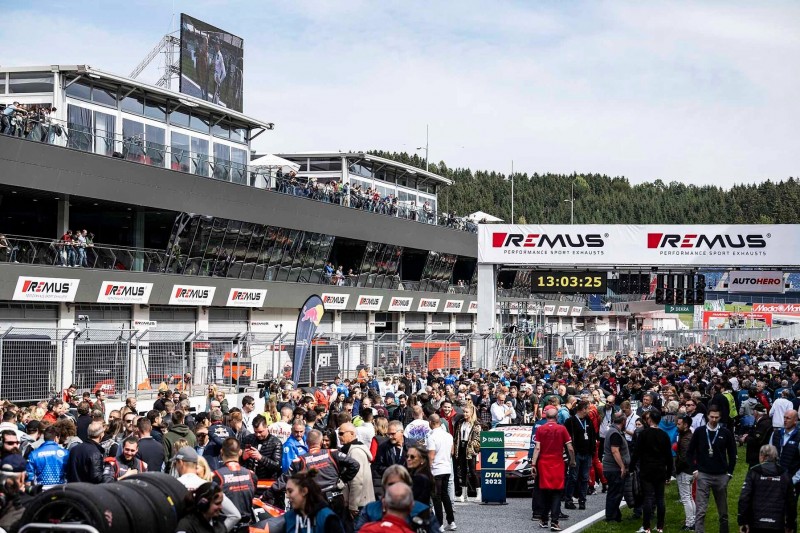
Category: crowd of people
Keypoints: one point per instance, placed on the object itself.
(33, 121)
(72, 247)
(352, 454)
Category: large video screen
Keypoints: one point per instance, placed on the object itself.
(211, 63)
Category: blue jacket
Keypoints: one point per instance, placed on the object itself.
(316, 525)
(47, 464)
(292, 449)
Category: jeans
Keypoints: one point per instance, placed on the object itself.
(653, 494)
(551, 505)
(578, 479)
(616, 486)
(442, 496)
(685, 492)
(82, 257)
(706, 484)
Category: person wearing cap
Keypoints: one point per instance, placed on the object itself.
(12, 471)
(759, 435)
(186, 467)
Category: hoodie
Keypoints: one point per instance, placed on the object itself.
(668, 424)
(359, 491)
(178, 431)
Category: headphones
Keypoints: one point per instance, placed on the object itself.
(203, 496)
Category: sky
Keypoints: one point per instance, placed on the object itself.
(698, 92)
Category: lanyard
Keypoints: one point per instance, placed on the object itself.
(582, 423)
(710, 441)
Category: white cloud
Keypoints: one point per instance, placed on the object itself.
(699, 92)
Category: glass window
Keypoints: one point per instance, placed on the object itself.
(221, 129)
(214, 250)
(156, 145)
(103, 96)
(80, 90)
(155, 110)
(326, 165)
(79, 124)
(133, 104)
(133, 140)
(3, 84)
(180, 152)
(30, 82)
(239, 166)
(198, 123)
(222, 161)
(105, 127)
(199, 156)
(179, 118)
(239, 135)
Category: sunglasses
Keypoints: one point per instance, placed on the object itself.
(11, 442)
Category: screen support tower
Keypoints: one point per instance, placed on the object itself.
(168, 47)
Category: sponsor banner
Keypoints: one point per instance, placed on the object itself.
(473, 307)
(563, 310)
(549, 309)
(576, 311)
(259, 323)
(246, 298)
(36, 289)
(721, 319)
(191, 295)
(145, 324)
(124, 292)
(778, 309)
(428, 305)
(453, 306)
(307, 322)
(335, 301)
(400, 303)
(756, 281)
(368, 302)
(629, 245)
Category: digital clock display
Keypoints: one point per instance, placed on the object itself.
(569, 282)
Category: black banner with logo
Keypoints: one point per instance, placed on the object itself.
(307, 321)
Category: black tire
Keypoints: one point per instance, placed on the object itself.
(168, 486)
(164, 507)
(142, 511)
(81, 503)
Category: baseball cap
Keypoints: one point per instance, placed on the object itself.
(187, 455)
(390, 394)
(13, 464)
(759, 407)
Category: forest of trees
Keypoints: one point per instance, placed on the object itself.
(539, 198)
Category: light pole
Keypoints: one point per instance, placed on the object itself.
(425, 148)
(512, 192)
(571, 203)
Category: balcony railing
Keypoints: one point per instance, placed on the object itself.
(139, 150)
(54, 252)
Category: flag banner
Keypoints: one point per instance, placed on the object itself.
(307, 321)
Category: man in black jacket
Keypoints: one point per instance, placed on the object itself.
(584, 438)
(86, 459)
(83, 421)
(390, 452)
(787, 443)
(262, 451)
(759, 435)
(766, 502)
(653, 455)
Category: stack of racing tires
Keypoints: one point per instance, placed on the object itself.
(151, 502)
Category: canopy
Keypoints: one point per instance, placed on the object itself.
(272, 160)
(480, 216)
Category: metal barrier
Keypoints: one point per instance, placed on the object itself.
(36, 363)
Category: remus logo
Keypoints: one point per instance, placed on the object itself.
(124, 290)
(184, 292)
(698, 240)
(191, 295)
(246, 297)
(45, 289)
(545, 240)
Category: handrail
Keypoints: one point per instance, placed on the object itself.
(138, 150)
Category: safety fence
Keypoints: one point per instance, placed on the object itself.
(37, 363)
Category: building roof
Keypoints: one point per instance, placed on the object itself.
(369, 157)
(189, 101)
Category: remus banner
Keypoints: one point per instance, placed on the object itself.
(307, 322)
(758, 245)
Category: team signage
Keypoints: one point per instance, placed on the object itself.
(246, 298)
(368, 302)
(628, 245)
(397, 303)
(36, 289)
(549, 309)
(191, 295)
(145, 324)
(563, 310)
(576, 311)
(453, 306)
(335, 301)
(493, 467)
(428, 305)
(756, 281)
(473, 307)
(778, 309)
(124, 292)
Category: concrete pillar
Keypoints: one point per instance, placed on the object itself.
(65, 351)
(452, 323)
(139, 350)
(371, 336)
(201, 323)
(62, 218)
(401, 323)
(428, 323)
(487, 320)
(138, 239)
(337, 322)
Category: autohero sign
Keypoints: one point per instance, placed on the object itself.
(756, 281)
(191, 295)
(36, 289)
(629, 245)
(335, 301)
(398, 303)
(368, 302)
(124, 292)
(246, 298)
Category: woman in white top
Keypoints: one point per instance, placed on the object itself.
(467, 446)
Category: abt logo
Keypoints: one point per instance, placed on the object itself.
(544, 240)
(698, 240)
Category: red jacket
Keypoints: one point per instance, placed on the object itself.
(387, 524)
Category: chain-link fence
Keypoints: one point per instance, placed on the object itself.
(102, 359)
(31, 362)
